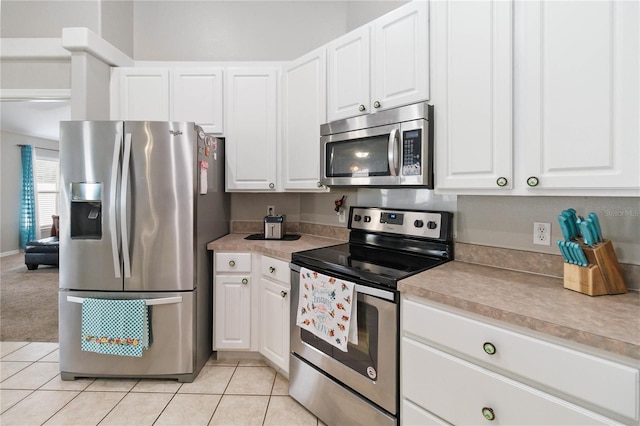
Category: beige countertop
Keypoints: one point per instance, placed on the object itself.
(275, 248)
(536, 302)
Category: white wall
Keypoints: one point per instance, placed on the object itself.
(244, 30)
(10, 186)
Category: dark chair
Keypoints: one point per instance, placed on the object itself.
(43, 251)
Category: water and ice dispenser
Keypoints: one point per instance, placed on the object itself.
(86, 211)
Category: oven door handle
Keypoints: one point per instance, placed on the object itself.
(370, 291)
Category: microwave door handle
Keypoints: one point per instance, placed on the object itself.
(392, 151)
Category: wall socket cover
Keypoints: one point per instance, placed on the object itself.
(542, 233)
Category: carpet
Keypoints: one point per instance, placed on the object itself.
(28, 301)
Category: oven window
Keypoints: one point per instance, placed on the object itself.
(362, 357)
(362, 157)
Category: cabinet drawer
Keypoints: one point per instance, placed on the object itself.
(275, 269)
(412, 415)
(606, 384)
(233, 262)
(462, 393)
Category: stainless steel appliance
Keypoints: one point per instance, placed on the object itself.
(361, 386)
(275, 227)
(385, 149)
(139, 203)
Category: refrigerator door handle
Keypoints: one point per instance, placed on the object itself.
(112, 205)
(123, 206)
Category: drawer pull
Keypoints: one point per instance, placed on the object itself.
(488, 414)
(245, 281)
(232, 263)
(489, 348)
(283, 294)
(272, 269)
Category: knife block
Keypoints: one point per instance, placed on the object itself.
(602, 276)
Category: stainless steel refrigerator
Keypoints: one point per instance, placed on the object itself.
(139, 203)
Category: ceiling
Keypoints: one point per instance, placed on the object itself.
(39, 119)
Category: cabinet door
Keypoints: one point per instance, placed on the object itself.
(472, 90)
(463, 393)
(348, 75)
(196, 95)
(274, 322)
(304, 109)
(232, 312)
(400, 57)
(143, 94)
(581, 83)
(251, 129)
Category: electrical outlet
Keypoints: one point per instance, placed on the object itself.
(271, 210)
(342, 216)
(542, 233)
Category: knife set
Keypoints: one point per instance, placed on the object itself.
(591, 266)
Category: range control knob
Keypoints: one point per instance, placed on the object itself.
(367, 219)
(418, 223)
(432, 225)
(357, 218)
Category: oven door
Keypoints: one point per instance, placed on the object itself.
(370, 368)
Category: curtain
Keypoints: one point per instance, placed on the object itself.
(28, 204)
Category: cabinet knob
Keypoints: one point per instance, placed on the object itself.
(245, 281)
(489, 348)
(502, 181)
(283, 294)
(488, 414)
(533, 181)
(319, 185)
(272, 269)
(272, 185)
(361, 108)
(232, 263)
(376, 104)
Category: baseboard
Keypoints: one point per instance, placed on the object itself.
(9, 253)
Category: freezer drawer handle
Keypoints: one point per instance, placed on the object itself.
(148, 302)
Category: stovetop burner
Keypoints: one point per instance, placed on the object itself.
(385, 246)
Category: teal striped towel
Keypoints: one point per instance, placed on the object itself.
(115, 327)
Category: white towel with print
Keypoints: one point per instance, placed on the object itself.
(327, 307)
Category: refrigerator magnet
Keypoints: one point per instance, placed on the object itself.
(204, 167)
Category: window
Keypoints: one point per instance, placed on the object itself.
(47, 180)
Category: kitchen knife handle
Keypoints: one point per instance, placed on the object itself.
(564, 227)
(563, 251)
(586, 233)
(580, 253)
(596, 225)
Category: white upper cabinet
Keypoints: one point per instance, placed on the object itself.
(141, 94)
(196, 95)
(169, 94)
(303, 111)
(348, 79)
(380, 65)
(580, 106)
(400, 57)
(251, 143)
(566, 121)
(472, 90)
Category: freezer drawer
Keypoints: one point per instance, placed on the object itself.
(171, 353)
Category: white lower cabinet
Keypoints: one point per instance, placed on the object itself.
(274, 312)
(251, 306)
(232, 301)
(458, 369)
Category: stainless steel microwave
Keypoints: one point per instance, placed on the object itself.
(384, 149)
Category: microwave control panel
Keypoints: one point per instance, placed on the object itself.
(412, 152)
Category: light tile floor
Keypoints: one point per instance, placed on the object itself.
(245, 392)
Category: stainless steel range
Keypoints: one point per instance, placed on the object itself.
(361, 385)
